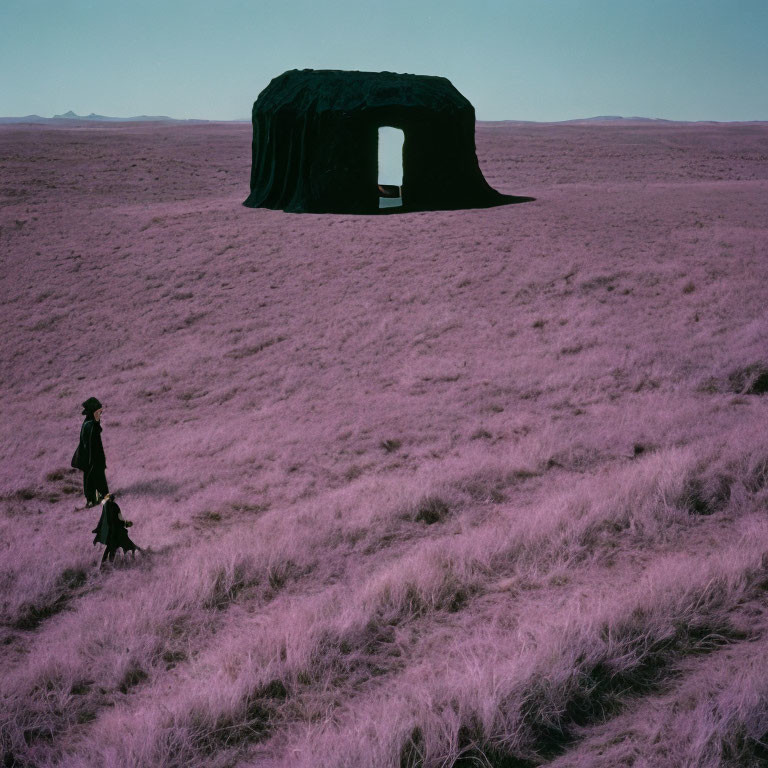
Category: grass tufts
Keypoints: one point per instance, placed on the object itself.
(30, 614)
(749, 380)
(132, 676)
(705, 496)
(431, 510)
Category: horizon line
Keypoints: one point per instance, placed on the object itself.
(71, 116)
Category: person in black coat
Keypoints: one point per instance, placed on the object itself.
(112, 530)
(90, 454)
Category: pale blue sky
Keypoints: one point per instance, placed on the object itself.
(513, 59)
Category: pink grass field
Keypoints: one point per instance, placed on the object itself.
(432, 490)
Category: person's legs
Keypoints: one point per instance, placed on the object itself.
(109, 554)
(95, 485)
(88, 487)
(99, 485)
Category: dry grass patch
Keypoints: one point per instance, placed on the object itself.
(343, 638)
(497, 698)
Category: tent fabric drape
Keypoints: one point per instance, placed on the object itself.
(315, 143)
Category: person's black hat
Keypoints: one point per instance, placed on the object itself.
(90, 405)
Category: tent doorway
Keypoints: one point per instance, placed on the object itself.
(390, 176)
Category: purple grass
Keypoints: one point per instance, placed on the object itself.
(450, 489)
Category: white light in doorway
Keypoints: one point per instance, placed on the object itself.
(390, 166)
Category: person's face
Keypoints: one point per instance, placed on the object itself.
(97, 414)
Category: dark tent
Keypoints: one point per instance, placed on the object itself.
(315, 143)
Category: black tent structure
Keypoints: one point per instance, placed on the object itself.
(315, 143)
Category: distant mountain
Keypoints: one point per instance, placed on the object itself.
(602, 119)
(618, 119)
(93, 118)
(27, 119)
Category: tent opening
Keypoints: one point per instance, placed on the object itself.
(390, 167)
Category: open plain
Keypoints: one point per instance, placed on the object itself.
(469, 488)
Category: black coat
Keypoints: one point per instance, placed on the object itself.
(91, 450)
(111, 529)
